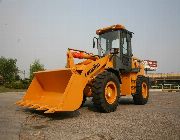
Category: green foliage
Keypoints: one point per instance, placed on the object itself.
(8, 69)
(26, 82)
(4, 89)
(9, 73)
(1, 80)
(34, 67)
(17, 85)
(21, 84)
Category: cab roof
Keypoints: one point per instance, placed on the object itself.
(110, 28)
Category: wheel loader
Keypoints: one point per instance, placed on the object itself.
(105, 77)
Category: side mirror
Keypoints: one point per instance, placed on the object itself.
(94, 44)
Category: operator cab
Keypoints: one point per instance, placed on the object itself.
(116, 37)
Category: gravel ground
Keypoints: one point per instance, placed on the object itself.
(159, 119)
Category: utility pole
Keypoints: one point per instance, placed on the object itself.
(24, 73)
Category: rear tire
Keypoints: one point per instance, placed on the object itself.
(142, 91)
(105, 90)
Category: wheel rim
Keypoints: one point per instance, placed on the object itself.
(144, 90)
(110, 92)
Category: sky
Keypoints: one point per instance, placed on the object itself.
(44, 29)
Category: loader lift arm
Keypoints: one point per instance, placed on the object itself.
(53, 91)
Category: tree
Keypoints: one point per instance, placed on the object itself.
(34, 67)
(8, 69)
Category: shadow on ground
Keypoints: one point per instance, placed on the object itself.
(71, 114)
(53, 116)
(126, 101)
(122, 101)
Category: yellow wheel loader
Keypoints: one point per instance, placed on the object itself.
(114, 72)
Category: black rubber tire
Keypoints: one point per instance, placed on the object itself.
(83, 101)
(138, 97)
(98, 92)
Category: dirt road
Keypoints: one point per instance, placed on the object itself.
(159, 119)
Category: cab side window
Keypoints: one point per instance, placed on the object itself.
(115, 43)
(124, 45)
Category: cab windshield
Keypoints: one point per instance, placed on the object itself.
(107, 41)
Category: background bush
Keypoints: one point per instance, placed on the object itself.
(8, 69)
(9, 73)
(34, 67)
(21, 84)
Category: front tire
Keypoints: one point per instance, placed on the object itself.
(106, 89)
(83, 101)
(142, 91)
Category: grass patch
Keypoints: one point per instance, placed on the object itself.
(4, 89)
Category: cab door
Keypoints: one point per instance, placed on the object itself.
(126, 52)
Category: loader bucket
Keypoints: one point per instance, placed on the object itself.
(54, 91)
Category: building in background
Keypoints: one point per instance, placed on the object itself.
(165, 81)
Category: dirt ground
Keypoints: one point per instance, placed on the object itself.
(159, 119)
